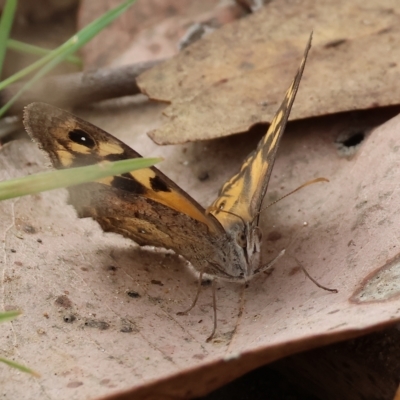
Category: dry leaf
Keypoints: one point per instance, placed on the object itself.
(237, 76)
(149, 30)
(100, 313)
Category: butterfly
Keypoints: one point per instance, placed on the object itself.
(223, 241)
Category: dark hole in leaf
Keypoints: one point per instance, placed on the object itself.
(353, 140)
(348, 142)
(69, 318)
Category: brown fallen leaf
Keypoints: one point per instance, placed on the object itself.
(149, 30)
(236, 76)
(94, 324)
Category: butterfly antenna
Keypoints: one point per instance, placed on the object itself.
(313, 280)
(290, 193)
(231, 213)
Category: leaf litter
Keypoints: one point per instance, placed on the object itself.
(121, 332)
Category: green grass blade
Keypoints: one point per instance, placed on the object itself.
(67, 177)
(67, 48)
(34, 66)
(19, 366)
(8, 315)
(42, 72)
(6, 21)
(26, 48)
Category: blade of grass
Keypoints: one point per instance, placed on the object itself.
(37, 64)
(72, 176)
(19, 366)
(6, 22)
(70, 46)
(8, 315)
(26, 48)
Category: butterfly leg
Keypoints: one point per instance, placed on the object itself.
(214, 295)
(196, 298)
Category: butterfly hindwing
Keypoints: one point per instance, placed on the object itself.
(243, 194)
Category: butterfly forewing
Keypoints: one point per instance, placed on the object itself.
(72, 142)
(243, 194)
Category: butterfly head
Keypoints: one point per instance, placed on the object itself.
(248, 239)
(242, 255)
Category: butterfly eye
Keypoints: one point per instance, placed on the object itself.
(81, 137)
(241, 239)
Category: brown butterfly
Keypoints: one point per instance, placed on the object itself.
(223, 241)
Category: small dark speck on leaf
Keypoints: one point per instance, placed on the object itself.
(247, 66)
(203, 176)
(39, 240)
(274, 236)
(384, 30)
(126, 329)
(63, 301)
(221, 81)
(335, 43)
(294, 271)
(29, 229)
(133, 294)
(94, 323)
(13, 250)
(74, 384)
(155, 300)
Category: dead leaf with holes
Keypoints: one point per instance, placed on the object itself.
(100, 312)
(235, 77)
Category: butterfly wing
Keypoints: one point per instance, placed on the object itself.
(72, 142)
(243, 194)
